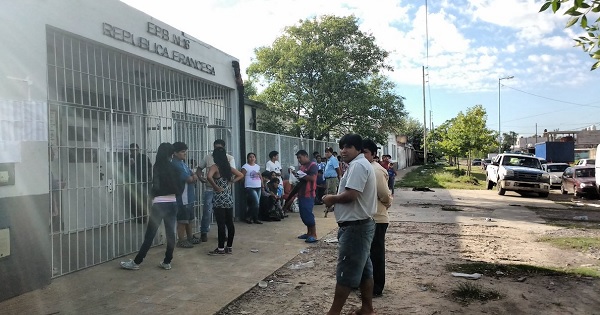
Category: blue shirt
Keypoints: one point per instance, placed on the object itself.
(332, 164)
(190, 189)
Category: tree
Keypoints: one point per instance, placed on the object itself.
(413, 130)
(580, 10)
(508, 140)
(465, 134)
(323, 77)
(250, 90)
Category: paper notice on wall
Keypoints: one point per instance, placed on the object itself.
(23, 121)
(120, 139)
(10, 151)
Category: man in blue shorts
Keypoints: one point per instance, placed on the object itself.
(306, 194)
(355, 203)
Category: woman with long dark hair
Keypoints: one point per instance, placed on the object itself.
(253, 183)
(220, 176)
(165, 188)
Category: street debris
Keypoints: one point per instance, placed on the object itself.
(331, 240)
(423, 189)
(472, 276)
(301, 265)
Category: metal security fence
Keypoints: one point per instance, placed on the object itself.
(261, 143)
(101, 100)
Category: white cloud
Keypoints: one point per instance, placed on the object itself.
(470, 47)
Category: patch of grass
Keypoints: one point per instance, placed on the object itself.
(469, 291)
(519, 270)
(581, 244)
(436, 176)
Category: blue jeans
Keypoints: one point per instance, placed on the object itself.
(207, 209)
(163, 211)
(354, 248)
(253, 197)
(306, 205)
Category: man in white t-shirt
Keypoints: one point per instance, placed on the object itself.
(207, 197)
(273, 165)
(355, 203)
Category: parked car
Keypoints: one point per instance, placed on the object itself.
(586, 162)
(555, 170)
(476, 162)
(518, 173)
(579, 180)
(485, 163)
(542, 160)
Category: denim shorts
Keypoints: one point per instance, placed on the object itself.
(354, 249)
(306, 205)
(185, 213)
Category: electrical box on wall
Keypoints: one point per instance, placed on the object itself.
(4, 243)
(7, 174)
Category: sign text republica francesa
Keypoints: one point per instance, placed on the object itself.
(145, 44)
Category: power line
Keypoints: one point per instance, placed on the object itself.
(552, 99)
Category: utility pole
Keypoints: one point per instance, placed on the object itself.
(424, 122)
(500, 134)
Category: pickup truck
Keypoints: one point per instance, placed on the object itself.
(518, 173)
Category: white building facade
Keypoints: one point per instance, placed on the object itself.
(80, 81)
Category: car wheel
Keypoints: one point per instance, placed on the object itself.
(562, 190)
(501, 191)
(543, 195)
(490, 185)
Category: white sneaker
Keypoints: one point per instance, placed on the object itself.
(130, 265)
(164, 266)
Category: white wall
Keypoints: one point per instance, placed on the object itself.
(23, 68)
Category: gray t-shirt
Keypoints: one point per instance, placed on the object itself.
(360, 176)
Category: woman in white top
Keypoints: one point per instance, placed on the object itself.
(253, 183)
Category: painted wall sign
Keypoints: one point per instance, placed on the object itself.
(157, 48)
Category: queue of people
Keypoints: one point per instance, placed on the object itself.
(355, 185)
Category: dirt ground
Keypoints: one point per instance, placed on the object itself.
(421, 256)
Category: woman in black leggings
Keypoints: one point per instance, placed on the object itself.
(220, 176)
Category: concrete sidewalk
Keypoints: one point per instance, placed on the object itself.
(197, 284)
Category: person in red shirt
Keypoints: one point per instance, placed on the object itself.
(385, 161)
(306, 194)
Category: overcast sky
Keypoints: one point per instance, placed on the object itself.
(471, 44)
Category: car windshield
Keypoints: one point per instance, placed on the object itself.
(521, 161)
(557, 168)
(586, 172)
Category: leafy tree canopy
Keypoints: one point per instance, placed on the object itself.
(580, 10)
(508, 140)
(323, 77)
(413, 129)
(464, 134)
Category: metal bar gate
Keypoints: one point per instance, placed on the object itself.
(108, 112)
